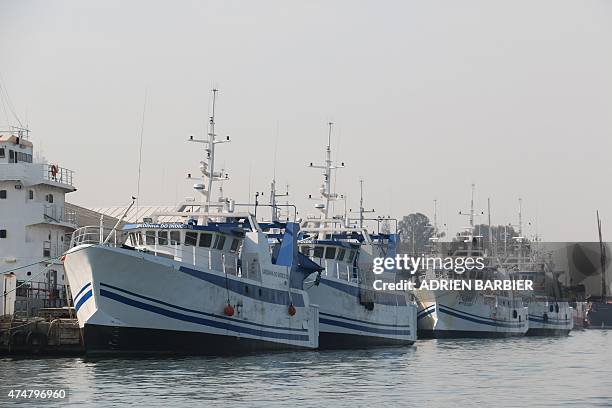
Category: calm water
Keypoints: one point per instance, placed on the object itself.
(568, 371)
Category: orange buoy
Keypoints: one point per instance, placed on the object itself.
(228, 310)
(62, 258)
(291, 310)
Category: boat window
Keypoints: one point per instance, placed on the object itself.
(330, 253)
(191, 238)
(49, 198)
(132, 239)
(2, 233)
(550, 308)
(31, 194)
(235, 243)
(11, 156)
(205, 240)
(139, 236)
(2, 194)
(341, 253)
(318, 252)
(351, 256)
(150, 237)
(162, 237)
(219, 242)
(2, 152)
(175, 237)
(556, 308)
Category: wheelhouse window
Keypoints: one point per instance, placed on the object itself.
(330, 253)
(205, 240)
(49, 198)
(351, 257)
(150, 237)
(162, 237)
(2, 233)
(341, 253)
(11, 156)
(234, 246)
(219, 242)
(3, 194)
(318, 252)
(175, 237)
(191, 238)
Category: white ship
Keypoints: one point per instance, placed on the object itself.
(207, 284)
(35, 227)
(352, 313)
(549, 313)
(469, 313)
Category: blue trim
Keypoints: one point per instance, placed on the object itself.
(81, 291)
(201, 321)
(196, 311)
(363, 328)
(363, 321)
(382, 298)
(86, 296)
(480, 320)
(268, 295)
(426, 312)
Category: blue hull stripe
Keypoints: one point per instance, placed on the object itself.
(382, 298)
(362, 321)
(197, 311)
(363, 328)
(268, 295)
(497, 323)
(83, 299)
(427, 310)
(202, 321)
(470, 314)
(427, 313)
(81, 291)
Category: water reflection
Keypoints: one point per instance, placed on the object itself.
(543, 371)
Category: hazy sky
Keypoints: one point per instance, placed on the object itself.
(427, 96)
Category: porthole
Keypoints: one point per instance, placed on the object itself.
(29, 273)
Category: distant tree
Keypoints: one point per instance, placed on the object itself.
(415, 231)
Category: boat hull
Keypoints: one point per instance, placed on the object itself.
(344, 322)
(132, 302)
(599, 316)
(453, 314)
(546, 322)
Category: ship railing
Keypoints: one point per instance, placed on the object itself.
(94, 235)
(53, 172)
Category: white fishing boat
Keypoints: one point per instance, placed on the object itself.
(198, 280)
(352, 313)
(550, 313)
(469, 313)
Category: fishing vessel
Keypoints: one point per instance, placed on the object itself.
(550, 313)
(197, 280)
(351, 312)
(469, 313)
(599, 308)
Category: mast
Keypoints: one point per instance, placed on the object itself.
(602, 259)
(327, 168)
(490, 229)
(207, 167)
